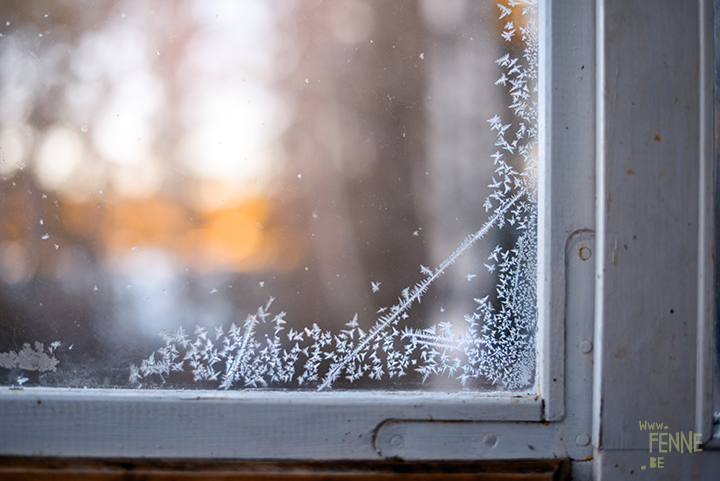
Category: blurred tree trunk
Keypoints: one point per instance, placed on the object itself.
(358, 141)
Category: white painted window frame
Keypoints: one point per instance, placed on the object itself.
(656, 169)
(586, 142)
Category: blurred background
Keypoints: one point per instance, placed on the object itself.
(179, 163)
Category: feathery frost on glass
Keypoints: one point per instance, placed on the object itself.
(498, 340)
(181, 181)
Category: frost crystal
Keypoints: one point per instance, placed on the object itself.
(30, 359)
(497, 345)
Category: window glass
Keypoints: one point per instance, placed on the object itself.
(283, 194)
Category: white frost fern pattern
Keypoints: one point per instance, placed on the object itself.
(497, 345)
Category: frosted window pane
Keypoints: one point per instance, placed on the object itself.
(286, 194)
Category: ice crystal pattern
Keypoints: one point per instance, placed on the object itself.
(30, 359)
(497, 344)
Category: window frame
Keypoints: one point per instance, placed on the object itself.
(365, 425)
(655, 307)
(588, 398)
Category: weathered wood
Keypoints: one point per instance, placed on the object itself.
(567, 177)
(28, 469)
(648, 218)
(654, 306)
(241, 425)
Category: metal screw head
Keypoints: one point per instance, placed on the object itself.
(585, 253)
(582, 439)
(490, 440)
(585, 346)
(397, 441)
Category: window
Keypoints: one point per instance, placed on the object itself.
(274, 187)
(624, 319)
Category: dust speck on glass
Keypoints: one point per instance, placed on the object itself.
(269, 194)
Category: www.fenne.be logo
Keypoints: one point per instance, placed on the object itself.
(663, 442)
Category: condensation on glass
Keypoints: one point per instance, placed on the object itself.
(268, 194)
